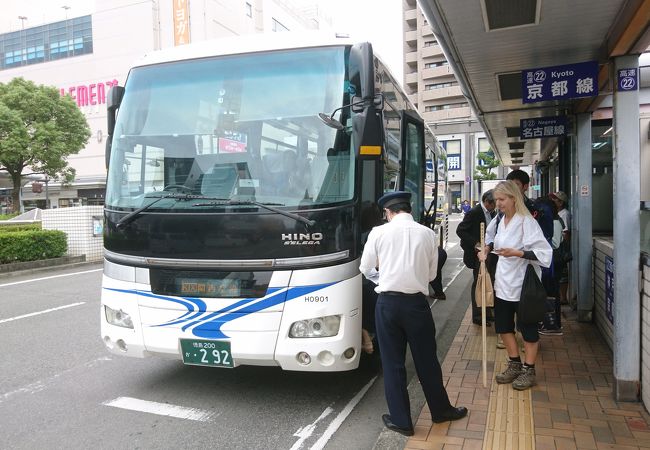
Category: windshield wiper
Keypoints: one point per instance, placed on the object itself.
(228, 202)
(130, 217)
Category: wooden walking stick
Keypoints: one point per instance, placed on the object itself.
(482, 271)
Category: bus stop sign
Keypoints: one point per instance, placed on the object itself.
(560, 82)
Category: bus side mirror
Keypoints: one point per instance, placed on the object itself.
(107, 152)
(113, 101)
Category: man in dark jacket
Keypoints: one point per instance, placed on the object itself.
(538, 210)
(469, 232)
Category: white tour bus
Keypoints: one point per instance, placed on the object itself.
(242, 181)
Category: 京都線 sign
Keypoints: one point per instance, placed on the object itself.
(560, 82)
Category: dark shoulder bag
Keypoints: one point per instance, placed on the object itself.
(532, 303)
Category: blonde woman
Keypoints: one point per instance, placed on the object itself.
(518, 240)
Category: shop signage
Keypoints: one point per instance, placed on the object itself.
(543, 127)
(453, 162)
(181, 22)
(628, 79)
(89, 94)
(560, 82)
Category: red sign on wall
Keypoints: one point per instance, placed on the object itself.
(89, 94)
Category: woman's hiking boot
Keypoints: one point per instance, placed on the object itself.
(510, 374)
(526, 379)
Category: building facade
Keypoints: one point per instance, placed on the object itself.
(84, 55)
(434, 90)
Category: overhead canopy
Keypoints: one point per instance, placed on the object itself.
(489, 43)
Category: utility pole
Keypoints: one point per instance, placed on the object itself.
(47, 192)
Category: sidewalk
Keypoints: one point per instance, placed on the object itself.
(572, 406)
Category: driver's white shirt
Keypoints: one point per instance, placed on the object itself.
(406, 254)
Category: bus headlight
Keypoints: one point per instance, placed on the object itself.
(317, 327)
(118, 317)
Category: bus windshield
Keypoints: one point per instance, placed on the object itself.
(239, 128)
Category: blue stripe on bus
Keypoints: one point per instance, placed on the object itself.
(206, 328)
(209, 330)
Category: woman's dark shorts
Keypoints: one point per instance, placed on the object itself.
(504, 320)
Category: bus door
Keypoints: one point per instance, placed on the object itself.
(413, 162)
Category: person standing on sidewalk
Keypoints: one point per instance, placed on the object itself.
(469, 232)
(561, 201)
(401, 257)
(518, 241)
(436, 285)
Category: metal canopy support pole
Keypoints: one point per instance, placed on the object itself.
(564, 162)
(626, 308)
(570, 188)
(583, 221)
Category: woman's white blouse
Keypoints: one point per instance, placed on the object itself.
(521, 233)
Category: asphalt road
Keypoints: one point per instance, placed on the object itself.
(59, 387)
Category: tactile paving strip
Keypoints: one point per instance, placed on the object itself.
(510, 415)
(474, 348)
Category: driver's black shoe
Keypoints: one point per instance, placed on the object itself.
(449, 415)
(391, 426)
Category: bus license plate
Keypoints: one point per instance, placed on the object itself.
(198, 352)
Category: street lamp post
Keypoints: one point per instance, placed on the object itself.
(23, 42)
(67, 37)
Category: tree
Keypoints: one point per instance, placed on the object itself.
(39, 129)
(484, 171)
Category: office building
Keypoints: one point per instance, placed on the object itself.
(434, 90)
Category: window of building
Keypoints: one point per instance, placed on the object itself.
(446, 106)
(277, 26)
(453, 150)
(452, 145)
(65, 39)
(430, 87)
(249, 10)
(436, 64)
(484, 147)
(430, 43)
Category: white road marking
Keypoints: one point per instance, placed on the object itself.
(459, 269)
(340, 418)
(51, 277)
(305, 432)
(161, 409)
(41, 312)
(39, 385)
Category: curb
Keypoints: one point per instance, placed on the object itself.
(18, 273)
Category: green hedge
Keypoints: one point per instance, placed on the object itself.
(8, 228)
(32, 245)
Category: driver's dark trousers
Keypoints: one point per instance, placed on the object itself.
(401, 319)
